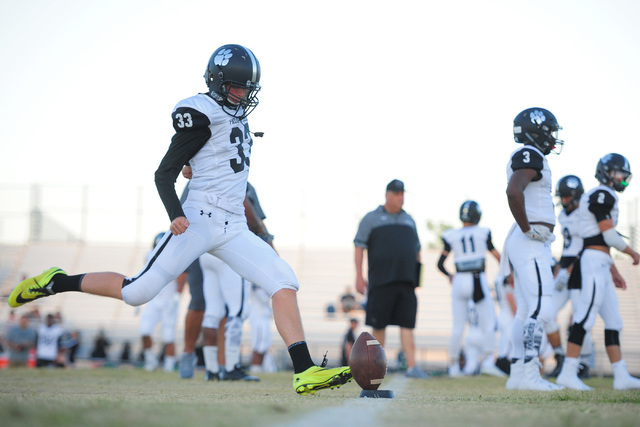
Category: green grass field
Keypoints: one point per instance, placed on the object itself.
(128, 396)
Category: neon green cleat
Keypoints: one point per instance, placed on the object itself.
(316, 378)
(33, 288)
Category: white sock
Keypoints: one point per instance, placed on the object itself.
(232, 357)
(169, 363)
(210, 353)
(619, 369)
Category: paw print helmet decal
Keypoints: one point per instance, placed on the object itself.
(538, 127)
(233, 68)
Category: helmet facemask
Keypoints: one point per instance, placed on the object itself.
(239, 106)
(620, 179)
(546, 139)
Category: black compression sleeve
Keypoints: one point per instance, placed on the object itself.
(192, 132)
(441, 264)
(184, 145)
(490, 243)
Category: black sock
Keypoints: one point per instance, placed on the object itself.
(300, 356)
(64, 283)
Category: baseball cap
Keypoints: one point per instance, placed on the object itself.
(395, 186)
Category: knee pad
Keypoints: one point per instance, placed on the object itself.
(611, 337)
(576, 334)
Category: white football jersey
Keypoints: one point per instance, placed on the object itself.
(595, 205)
(538, 201)
(48, 340)
(570, 227)
(469, 246)
(221, 167)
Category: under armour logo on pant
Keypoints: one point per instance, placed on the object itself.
(205, 213)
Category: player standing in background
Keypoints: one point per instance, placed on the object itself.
(162, 308)
(212, 135)
(569, 189)
(598, 276)
(226, 294)
(261, 312)
(469, 245)
(527, 247)
(260, 321)
(49, 334)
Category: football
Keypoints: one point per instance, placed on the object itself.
(368, 362)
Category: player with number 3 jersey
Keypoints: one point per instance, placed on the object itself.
(527, 248)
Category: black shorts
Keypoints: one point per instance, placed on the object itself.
(392, 304)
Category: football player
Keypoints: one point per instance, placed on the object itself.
(569, 189)
(469, 245)
(211, 135)
(162, 308)
(527, 247)
(226, 294)
(597, 275)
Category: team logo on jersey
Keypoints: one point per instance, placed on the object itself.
(537, 117)
(222, 58)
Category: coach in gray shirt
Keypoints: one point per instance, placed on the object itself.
(389, 236)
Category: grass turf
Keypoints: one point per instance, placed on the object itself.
(107, 396)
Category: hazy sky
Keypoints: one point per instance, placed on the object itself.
(355, 93)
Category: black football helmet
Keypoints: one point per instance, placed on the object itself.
(538, 127)
(236, 66)
(614, 169)
(569, 186)
(470, 212)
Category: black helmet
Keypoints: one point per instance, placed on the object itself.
(537, 127)
(614, 169)
(233, 65)
(470, 212)
(569, 186)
